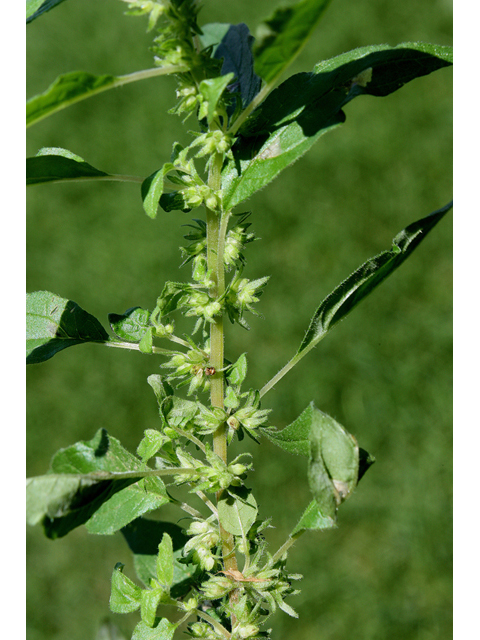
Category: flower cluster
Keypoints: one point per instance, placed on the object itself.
(241, 295)
(205, 537)
(189, 368)
(212, 476)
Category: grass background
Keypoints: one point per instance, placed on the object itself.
(385, 373)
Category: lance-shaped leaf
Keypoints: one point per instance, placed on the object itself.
(83, 486)
(357, 286)
(152, 189)
(53, 164)
(281, 37)
(55, 323)
(36, 8)
(307, 105)
(367, 278)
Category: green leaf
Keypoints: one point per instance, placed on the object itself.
(160, 387)
(165, 562)
(106, 506)
(295, 438)
(35, 8)
(64, 91)
(125, 595)
(143, 537)
(211, 90)
(53, 495)
(238, 371)
(55, 323)
(313, 520)
(281, 37)
(163, 631)
(132, 325)
(238, 512)
(151, 442)
(152, 189)
(367, 278)
(150, 601)
(53, 164)
(235, 49)
(174, 201)
(307, 105)
(146, 343)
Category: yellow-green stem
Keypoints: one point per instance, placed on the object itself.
(215, 244)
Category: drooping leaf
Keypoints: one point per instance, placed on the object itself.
(238, 512)
(367, 278)
(36, 8)
(55, 323)
(53, 164)
(281, 37)
(336, 463)
(307, 105)
(132, 325)
(64, 91)
(143, 537)
(104, 504)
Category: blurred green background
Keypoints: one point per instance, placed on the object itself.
(385, 373)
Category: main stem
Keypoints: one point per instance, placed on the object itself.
(215, 244)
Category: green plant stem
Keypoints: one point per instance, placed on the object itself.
(215, 245)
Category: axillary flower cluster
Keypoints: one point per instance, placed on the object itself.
(226, 602)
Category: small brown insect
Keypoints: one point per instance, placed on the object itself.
(210, 371)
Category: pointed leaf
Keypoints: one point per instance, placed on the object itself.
(165, 561)
(54, 164)
(55, 323)
(307, 105)
(64, 91)
(281, 37)
(152, 189)
(35, 8)
(295, 438)
(366, 278)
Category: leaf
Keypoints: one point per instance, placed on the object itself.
(35, 8)
(55, 323)
(106, 506)
(152, 189)
(235, 49)
(143, 537)
(238, 371)
(281, 37)
(132, 325)
(307, 105)
(313, 520)
(64, 91)
(125, 595)
(211, 90)
(238, 512)
(366, 278)
(160, 387)
(165, 562)
(336, 463)
(53, 164)
(163, 631)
